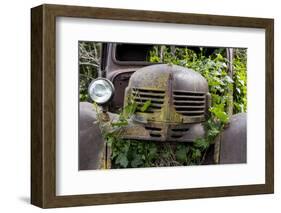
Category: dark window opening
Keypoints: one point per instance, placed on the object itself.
(132, 52)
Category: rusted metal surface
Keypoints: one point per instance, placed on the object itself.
(164, 132)
(233, 145)
(230, 146)
(119, 72)
(120, 80)
(93, 150)
(91, 143)
(217, 146)
(179, 100)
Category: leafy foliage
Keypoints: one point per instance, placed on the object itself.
(240, 81)
(89, 65)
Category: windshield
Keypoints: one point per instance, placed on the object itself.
(133, 52)
(154, 53)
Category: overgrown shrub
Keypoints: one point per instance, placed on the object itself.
(240, 81)
(89, 65)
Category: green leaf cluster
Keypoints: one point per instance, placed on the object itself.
(240, 81)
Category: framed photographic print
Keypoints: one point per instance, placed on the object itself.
(136, 106)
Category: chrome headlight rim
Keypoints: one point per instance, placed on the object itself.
(110, 84)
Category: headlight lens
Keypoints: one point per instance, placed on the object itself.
(101, 90)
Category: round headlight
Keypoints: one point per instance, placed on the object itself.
(101, 90)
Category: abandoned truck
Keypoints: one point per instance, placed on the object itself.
(179, 104)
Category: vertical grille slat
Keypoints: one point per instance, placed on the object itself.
(189, 103)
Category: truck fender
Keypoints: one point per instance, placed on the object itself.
(233, 144)
(91, 143)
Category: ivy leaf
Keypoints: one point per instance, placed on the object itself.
(219, 113)
(228, 79)
(222, 116)
(110, 140)
(129, 110)
(145, 106)
(241, 82)
(195, 154)
(137, 161)
(201, 143)
(119, 123)
(238, 90)
(181, 154)
(122, 160)
(219, 57)
(152, 151)
(213, 132)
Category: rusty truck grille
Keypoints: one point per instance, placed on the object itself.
(178, 132)
(189, 103)
(155, 96)
(174, 133)
(154, 132)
